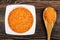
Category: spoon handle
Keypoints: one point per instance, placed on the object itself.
(48, 37)
(49, 28)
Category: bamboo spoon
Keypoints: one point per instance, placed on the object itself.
(49, 17)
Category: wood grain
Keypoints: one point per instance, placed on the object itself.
(40, 33)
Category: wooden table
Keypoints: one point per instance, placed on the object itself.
(40, 33)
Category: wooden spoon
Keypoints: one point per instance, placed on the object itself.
(49, 17)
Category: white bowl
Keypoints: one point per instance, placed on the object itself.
(9, 8)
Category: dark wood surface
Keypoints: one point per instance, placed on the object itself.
(40, 33)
